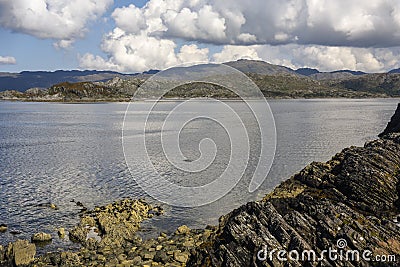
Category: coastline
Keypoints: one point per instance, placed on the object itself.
(353, 196)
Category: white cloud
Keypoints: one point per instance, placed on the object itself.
(7, 60)
(131, 19)
(326, 58)
(231, 53)
(63, 20)
(130, 53)
(296, 33)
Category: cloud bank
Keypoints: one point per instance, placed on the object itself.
(323, 34)
(341, 34)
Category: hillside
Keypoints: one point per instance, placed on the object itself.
(273, 80)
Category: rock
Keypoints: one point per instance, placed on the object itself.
(21, 252)
(41, 237)
(349, 197)
(181, 257)
(61, 233)
(161, 257)
(3, 228)
(394, 124)
(182, 230)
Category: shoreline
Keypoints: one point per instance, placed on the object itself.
(105, 101)
(352, 197)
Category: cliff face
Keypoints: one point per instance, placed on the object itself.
(353, 198)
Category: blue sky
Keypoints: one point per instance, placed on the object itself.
(137, 35)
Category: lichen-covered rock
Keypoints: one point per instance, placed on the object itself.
(20, 253)
(41, 237)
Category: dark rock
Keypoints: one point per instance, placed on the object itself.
(161, 257)
(394, 124)
(349, 197)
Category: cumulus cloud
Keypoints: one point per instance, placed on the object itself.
(64, 20)
(319, 22)
(320, 34)
(129, 52)
(231, 53)
(7, 60)
(326, 58)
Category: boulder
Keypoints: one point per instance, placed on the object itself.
(21, 253)
(3, 228)
(41, 237)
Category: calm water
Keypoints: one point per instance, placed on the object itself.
(53, 152)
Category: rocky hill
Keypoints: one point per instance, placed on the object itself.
(273, 80)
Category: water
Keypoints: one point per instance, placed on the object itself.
(53, 153)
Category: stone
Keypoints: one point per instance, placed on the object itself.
(161, 257)
(181, 257)
(3, 228)
(182, 230)
(41, 237)
(22, 252)
(61, 233)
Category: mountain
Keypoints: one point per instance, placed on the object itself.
(259, 67)
(306, 71)
(394, 71)
(274, 81)
(44, 79)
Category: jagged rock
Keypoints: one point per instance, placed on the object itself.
(394, 124)
(352, 197)
(61, 233)
(41, 237)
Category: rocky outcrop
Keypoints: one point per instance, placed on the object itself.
(350, 203)
(394, 124)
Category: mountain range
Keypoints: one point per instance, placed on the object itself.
(273, 80)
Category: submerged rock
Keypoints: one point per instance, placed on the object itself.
(41, 237)
(3, 228)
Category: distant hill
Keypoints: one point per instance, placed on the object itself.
(259, 67)
(394, 71)
(307, 71)
(274, 81)
(44, 79)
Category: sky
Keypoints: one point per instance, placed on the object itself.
(137, 35)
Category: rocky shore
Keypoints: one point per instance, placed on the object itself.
(354, 198)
